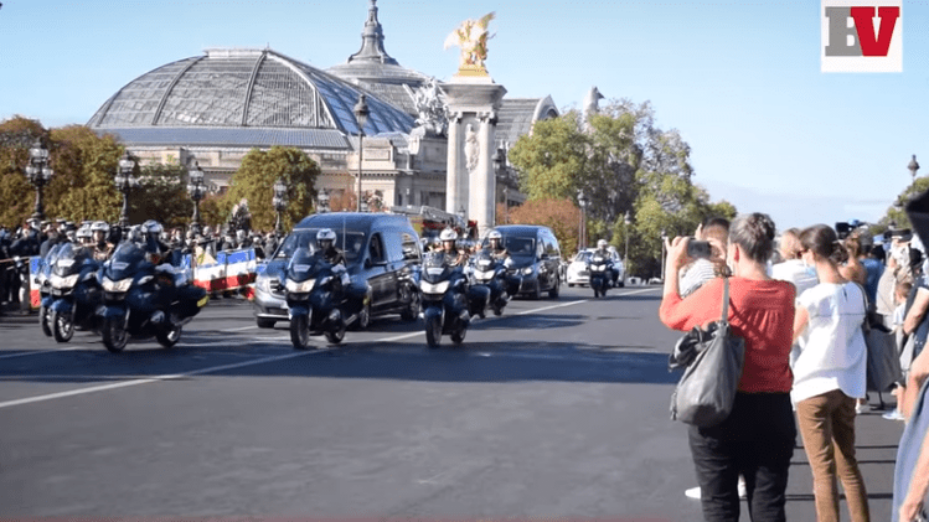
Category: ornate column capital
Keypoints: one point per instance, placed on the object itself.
(489, 117)
(455, 117)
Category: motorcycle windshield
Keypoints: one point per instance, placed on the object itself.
(69, 259)
(304, 265)
(434, 267)
(125, 262)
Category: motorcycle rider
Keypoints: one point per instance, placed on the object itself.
(497, 250)
(102, 249)
(155, 250)
(325, 247)
(454, 257)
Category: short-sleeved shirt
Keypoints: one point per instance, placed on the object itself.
(914, 436)
(833, 355)
(796, 272)
(698, 273)
(760, 312)
(875, 270)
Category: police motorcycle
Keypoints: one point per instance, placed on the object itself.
(445, 290)
(321, 299)
(486, 271)
(599, 266)
(74, 294)
(144, 298)
(45, 288)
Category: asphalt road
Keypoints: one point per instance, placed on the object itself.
(558, 409)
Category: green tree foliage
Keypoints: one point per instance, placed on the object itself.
(82, 187)
(624, 163)
(16, 194)
(254, 181)
(162, 196)
(896, 214)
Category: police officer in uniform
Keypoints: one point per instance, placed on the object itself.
(497, 250)
(101, 248)
(453, 256)
(325, 247)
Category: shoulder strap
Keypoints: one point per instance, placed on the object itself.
(725, 317)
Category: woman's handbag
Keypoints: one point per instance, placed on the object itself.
(883, 366)
(714, 359)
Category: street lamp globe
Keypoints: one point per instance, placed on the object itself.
(913, 166)
(499, 159)
(39, 174)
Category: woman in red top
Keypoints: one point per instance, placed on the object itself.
(757, 440)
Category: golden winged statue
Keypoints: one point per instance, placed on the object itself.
(472, 37)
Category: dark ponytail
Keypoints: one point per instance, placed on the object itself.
(823, 241)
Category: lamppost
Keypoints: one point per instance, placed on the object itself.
(627, 222)
(323, 200)
(125, 182)
(582, 228)
(197, 190)
(913, 166)
(39, 175)
(361, 115)
(499, 159)
(280, 203)
(664, 239)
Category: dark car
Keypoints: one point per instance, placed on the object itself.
(382, 249)
(535, 260)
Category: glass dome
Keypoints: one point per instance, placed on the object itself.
(245, 88)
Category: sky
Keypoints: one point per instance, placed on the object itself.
(740, 80)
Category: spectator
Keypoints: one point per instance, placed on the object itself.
(829, 375)
(757, 440)
(793, 269)
(911, 473)
(700, 271)
(853, 270)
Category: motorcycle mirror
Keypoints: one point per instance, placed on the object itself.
(368, 263)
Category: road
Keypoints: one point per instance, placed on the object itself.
(558, 409)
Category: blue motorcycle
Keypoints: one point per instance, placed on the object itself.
(45, 288)
(600, 274)
(488, 272)
(142, 300)
(321, 299)
(446, 309)
(74, 293)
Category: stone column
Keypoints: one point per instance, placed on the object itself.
(455, 171)
(483, 180)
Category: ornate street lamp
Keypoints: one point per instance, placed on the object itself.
(280, 203)
(582, 229)
(499, 159)
(913, 166)
(197, 190)
(125, 182)
(627, 222)
(39, 175)
(323, 200)
(361, 115)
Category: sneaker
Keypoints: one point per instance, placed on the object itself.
(743, 494)
(893, 415)
(859, 408)
(693, 493)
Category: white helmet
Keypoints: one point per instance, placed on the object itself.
(602, 243)
(84, 232)
(448, 234)
(325, 234)
(152, 227)
(100, 226)
(494, 234)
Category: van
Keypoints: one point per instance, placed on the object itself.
(535, 260)
(381, 249)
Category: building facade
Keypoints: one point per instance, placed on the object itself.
(218, 106)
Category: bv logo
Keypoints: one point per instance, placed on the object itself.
(862, 37)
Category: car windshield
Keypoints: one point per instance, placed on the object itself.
(582, 256)
(519, 246)
(302, 238)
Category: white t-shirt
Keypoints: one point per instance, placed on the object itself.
(698, 273)
(794, 271)
(833, 355)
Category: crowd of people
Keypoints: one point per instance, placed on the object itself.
(38, 238)
(799, 304)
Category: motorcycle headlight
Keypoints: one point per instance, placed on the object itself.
(438, 288)
(63, 282)
(527, 270)
(116, 286)
(304, 287)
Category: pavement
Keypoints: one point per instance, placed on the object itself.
(558, 409)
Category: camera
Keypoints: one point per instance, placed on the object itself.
(699, 249)
(842, 230)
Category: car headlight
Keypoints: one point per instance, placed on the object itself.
(63, 282)
(527, 270)
(116, 286)
(263, 284)
(300, 288)
(438, 288)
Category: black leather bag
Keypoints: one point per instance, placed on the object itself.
(713, 361)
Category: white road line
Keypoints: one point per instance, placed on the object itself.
(252, 327)
(43, 352)
(158, 378)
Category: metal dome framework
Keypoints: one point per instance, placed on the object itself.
(230, 88)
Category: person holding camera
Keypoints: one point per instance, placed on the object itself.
(703, 268)
(757, 439)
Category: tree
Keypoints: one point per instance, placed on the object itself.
(162, 195)
(551, 161)
(255, 179)
(560, 215)
(16, 136)
(897, 213)
(82, 188)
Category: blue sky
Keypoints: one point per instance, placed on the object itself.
(741, 81)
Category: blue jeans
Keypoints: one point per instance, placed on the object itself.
(756, 441)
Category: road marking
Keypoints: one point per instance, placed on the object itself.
(43, 352)
(157, 378)
(252, 327)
